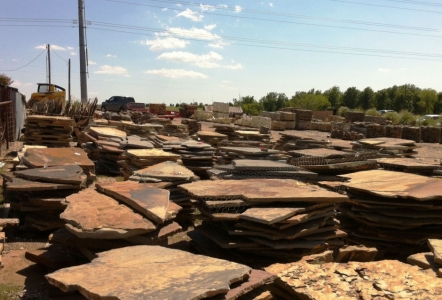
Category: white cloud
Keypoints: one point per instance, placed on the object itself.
(17, 83)
(383, 70)
(193, 15)
(218, 45)
(238, 8)
(70, 48)
(177, 73)
(106, 69)
(233, 67)
(209, 27)
(73, 53)
(111, 55)
(164, 9)
(15, 59)
(90, 63)
(55, 47)
(226, 81)
(207, 7)
(196, 33)
(167, 43)
(208, 60)
(179, 5)
(222, 6)
(271, 4)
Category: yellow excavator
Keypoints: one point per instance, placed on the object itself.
(48, 91)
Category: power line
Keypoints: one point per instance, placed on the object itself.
(27, 63)
(387, 6)
(417, 2)
(310, 50)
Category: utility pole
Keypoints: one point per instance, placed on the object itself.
(69, 80)
(49, 63)
(82, 50)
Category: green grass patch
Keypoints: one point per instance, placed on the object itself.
(172, 108)
(10, 292)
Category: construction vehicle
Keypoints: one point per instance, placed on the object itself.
(48, 91)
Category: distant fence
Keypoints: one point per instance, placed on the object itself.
(6, 124)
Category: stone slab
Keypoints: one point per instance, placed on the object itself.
(23, 185)
(108, 132)
(49, 157)
(268, 215)
(151, 202)
(262, 190)
(173, 274)
(436, 247)
(93, 215)
(168, 170)
(71, 174)
(423, 260)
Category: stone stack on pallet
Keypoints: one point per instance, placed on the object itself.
(375, 119)
(51, 131)
(115, 215)
(303, 119)
(302, 140)
(412, 133)
(386, 146)
(157, 108)
(225, 155)
(431, 134)
(393, 211)
(209, 137)
(171, 175)
(226, 129)
(178, 130)
(136, 159)
(187, 110)
(267, 218)
(281, 120)
(193, 126)
(393, 131)
(196, 156)
(221, 112)
(38, 195)
(354, 116)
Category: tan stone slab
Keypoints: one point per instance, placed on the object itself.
(356, 253)
(210, 134)
(151, 202)
(23, 185)
(436, 247)
(423, 260)
(93, 215)
(172, 274)
(71, 174)
(108, 132)
(395, 184)
(49, 157)
(150, 153)
(320, 152)
(268, 215)
(409, 163)
(262, 190)
(168, 170)
(387, 279)
(9, 222)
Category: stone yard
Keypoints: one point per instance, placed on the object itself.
(224, 212)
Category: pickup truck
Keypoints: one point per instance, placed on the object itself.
(116, 103)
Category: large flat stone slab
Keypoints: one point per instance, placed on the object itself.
(93, 215)
(150, 272)
(23, 185)
(72, 174)
(151, 202)
(49, 157)
(168, 170)
(395, 184)
(262, 190)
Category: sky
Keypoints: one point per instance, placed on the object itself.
(169, 51)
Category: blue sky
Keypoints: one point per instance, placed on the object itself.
(169, 51)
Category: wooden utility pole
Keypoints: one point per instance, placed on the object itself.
(49, 62)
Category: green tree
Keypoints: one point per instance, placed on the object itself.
(366, 98)
(5, 80)
(273, 101)
(249, 105)
(334, 96)
(406, 98)
(438, 105)
(427, 100)
(382, 100)
(350, 97)
(310, 101)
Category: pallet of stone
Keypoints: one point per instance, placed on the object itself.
(393, 211)
(385, 279)
(108, 132)
(164, 141)
(419, 166)
(178, 130)
(174, 274)
(136, 142)
(37, 195)
(193, 126)
(48, 130)
(302, 140)
(248, 168)
(209, 137)
(160, 121)
(172, 174)
(225, 155)
(387, 146)
(268, 217)
(252, 135)
(226, 129)
(142, 158)
(144, 130)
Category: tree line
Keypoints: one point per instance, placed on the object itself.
(405, 97)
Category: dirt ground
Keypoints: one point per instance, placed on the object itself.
(29, 277)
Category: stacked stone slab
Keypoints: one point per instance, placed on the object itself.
(51, 131)
(393, 131)
(272, 218)
(375, 130)
(354, 116)
(393, 211)
(158, 108)
(431, 134)
(221, 110)
(321, 126)
(187, 110)
(375, 119)
(302, 140)
(201, 115)
(193, 126)
(303, 119)
(386, 146)
(412, 133)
